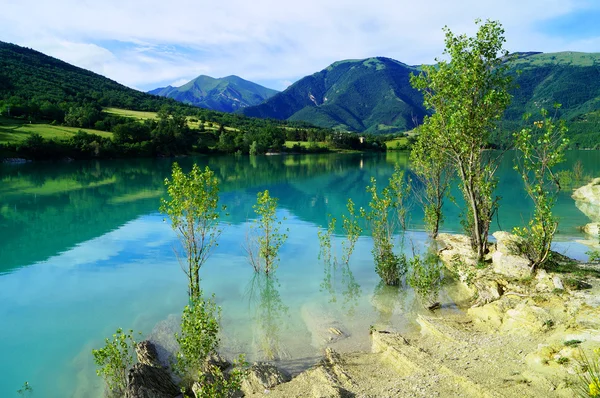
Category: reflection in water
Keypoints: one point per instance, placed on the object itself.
(387, 300)
(269, 316)
(339, 278)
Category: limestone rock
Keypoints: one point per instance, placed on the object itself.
(592, 229)
(587, 199)
(526, 319)
(456, 248)
(262, 376)
(145, 381)
(506, 259)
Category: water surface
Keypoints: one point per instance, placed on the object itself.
(83, 251)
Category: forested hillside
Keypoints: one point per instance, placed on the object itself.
(371, 95)
(375, 95)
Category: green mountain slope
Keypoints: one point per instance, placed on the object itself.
(27, 75)
(372, 95)
(226, 94)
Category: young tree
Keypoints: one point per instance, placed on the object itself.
(540, 149)
(198, 341)
(263, 247)
(194, 213)
(468, 94)
(387, 212)
(114, 360)
(434, 172)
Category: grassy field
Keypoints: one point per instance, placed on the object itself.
(14, 130)
(133, 114)
(566, 57)
(393, 144)
(305, 144)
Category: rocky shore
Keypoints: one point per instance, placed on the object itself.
(587, 199)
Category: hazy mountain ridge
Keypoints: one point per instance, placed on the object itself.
(227, 94)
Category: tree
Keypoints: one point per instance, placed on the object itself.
(194, 213)
(263, 248)
(540, 149)
(468, 94)
(434, 172)
(387, 211)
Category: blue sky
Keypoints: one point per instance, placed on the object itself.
(153, 43)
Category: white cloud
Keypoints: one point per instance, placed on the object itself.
(150, 43)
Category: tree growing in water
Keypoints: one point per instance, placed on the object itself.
(387, 212)
(540, 149)
(193, 209)
(265, 240)
(468, 94)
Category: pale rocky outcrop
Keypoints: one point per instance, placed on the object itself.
(262, 376)
(587, 199)
(506, 259)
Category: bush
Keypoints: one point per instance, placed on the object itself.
(114, 360)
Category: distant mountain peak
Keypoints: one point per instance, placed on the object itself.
(226, 94)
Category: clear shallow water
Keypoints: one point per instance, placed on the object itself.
(84, 251)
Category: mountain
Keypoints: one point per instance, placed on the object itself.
(226, 94)
(372, 95)
(27, 76)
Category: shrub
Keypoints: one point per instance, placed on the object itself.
(114, 360)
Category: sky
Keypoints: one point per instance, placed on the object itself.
(146, 44)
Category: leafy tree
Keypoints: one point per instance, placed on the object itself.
(263, 248)
(114, 360)
(540, 149)
(468, 94)
(193, 209)
(433, 171)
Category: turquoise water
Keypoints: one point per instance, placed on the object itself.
(84, 251)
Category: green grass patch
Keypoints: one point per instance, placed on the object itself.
(132, 114)
(305, 144)
(566, 58)
(396, 142)
(15, 130)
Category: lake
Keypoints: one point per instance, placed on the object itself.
(83, 251)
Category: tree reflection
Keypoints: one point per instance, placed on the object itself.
(269, 313)
(386, 300)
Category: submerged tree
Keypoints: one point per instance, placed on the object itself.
(433, 171)
(468, 94)
(387, 213)
(194, 213)
(540, 149)
(265, 240)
